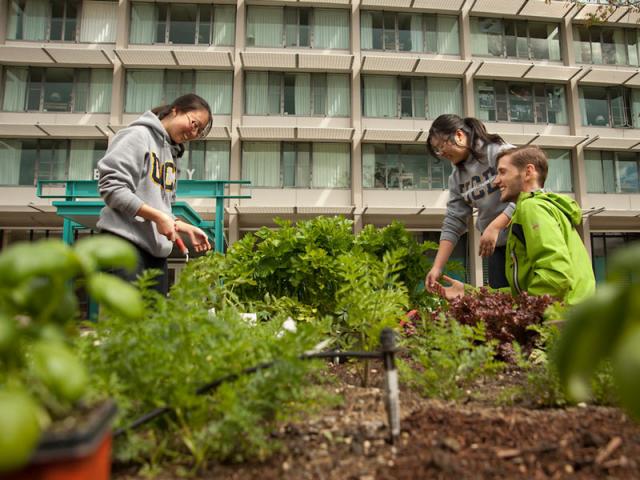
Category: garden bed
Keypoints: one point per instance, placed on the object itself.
(474, 437)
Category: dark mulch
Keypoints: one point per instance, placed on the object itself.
(468, 439)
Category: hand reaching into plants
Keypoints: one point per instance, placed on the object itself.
(454, 290)
(431, 280)
(198, 238)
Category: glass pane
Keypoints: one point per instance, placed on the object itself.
(510, 38)
(627, 172)
(303, 165)
(596, 106)
(81, 91)
(418, 90)
(70, 21)
(609, 172)
(161, 23)
(377, 26)
(291, 26)
(431, 29)
(593, 167)
(538, 40)
(319, 88)
(288, 164)
(414, 170)
(182, 29)
(406, 102)
(522, 44)
(35, 88)
(559, 174)
(28, 158)
(389, 31)
(57, 90)
(596, 46)
(556, 104)
(582, 44)
(485, 101)
(275, 80)
(204, 26)
(305, 27)
(502, 110)
(540, 108)
(290, 94)
(619, 110)
(520, 103)
(57, 20)
(404, 32)
(632, 47)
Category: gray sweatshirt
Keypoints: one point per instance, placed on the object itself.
(139, 168)
(471, 186)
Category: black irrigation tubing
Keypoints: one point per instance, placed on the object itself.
(147, 417)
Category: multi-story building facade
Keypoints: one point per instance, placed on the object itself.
(325, 105)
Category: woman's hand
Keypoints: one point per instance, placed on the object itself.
(198, 238)
(488, 241)
(166, 225)
(431, 280)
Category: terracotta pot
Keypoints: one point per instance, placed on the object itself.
(82, 454)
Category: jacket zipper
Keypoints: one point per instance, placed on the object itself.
(515, 271)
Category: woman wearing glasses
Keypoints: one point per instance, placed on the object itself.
(466, 143)
(138, 182)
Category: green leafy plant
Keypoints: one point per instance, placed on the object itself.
(41, 377)
(182, 345)
(606, 327)
(447, 356)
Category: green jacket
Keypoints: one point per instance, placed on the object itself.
(545, 253)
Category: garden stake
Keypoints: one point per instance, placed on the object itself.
(391, 390)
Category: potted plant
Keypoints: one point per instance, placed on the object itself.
(47, 429)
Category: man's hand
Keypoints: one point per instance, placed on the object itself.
(454, 290)
(488, 241)
(198, 238)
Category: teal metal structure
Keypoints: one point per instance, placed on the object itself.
(83, 214)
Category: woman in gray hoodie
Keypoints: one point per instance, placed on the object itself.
(138, 179)
(466, 143)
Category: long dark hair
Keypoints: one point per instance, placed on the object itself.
(186, 103)
(445, 126)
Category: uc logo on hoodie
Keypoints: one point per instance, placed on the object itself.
(162, 174)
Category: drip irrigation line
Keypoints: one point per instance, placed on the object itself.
(147, 417)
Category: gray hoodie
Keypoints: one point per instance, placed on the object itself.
(139, 168)
(471, 186)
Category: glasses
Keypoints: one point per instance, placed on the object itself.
(440, 149)
(195, 125)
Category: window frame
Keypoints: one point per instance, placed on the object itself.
(514, 23)
(47, 32)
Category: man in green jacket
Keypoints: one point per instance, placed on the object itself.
(545, 254)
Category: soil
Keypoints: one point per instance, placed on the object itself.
(468, 439)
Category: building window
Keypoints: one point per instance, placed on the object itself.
(305, 94)
(409, 32)
(186, 24)
(559, 177)
(24, 162)
(604, 45)
(402, 167)
(496, 37)
(41, 20)
(499, 101)
(205, 160)
(302, 165)
(603, 245)
(610, 106)
(146, 89)
(57, 90)
(612, 172)
(414, 97)
(297, 27)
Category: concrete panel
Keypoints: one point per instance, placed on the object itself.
(195, 58)
(24, 55)
(80, 56)
(388, 64)
(336, 63)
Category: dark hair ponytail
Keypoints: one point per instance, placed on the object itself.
(186, 103)
(445, 126)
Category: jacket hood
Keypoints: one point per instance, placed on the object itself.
(565, 204)
(152, 122)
